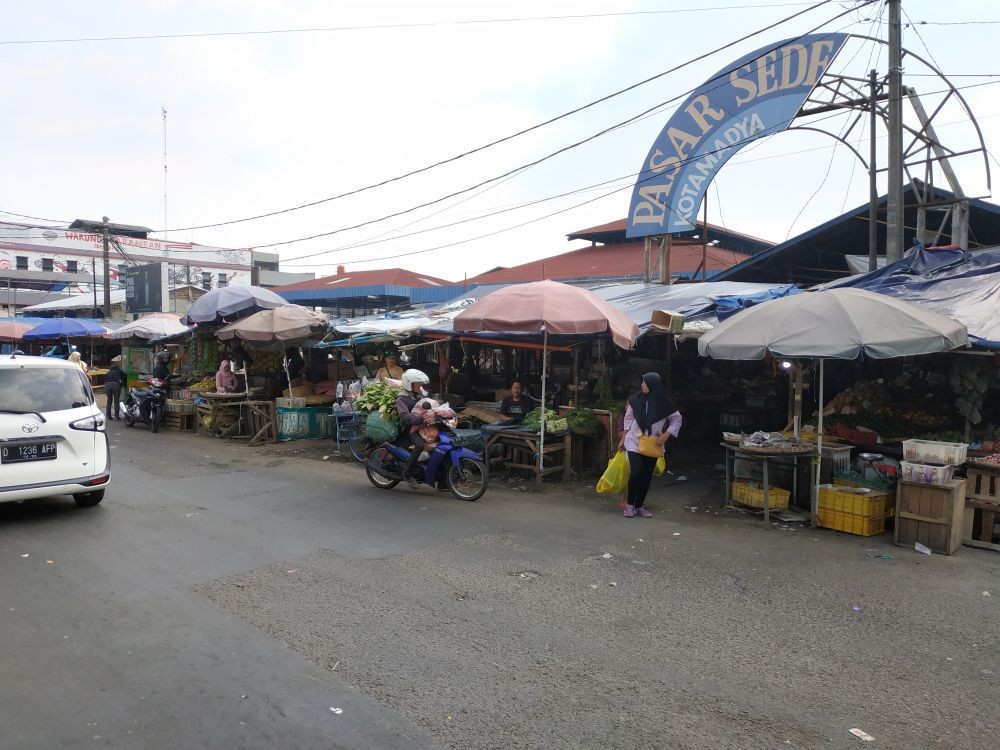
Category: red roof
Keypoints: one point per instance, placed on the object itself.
(621, 224)
(610, 261)
(378, 277)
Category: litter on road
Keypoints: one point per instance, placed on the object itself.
(862, 734)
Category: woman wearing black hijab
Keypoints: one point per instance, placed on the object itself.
(649, 412)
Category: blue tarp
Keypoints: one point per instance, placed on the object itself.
(951, 282)
(637, 300)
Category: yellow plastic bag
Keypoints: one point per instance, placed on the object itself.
(661, 466)
(615, 478)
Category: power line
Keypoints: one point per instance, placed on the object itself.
(387, 26)
(512, 136)
(551, 155)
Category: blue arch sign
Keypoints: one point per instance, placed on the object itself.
(755, 96)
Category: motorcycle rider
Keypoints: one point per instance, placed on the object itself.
(413, 393)
(161, 370)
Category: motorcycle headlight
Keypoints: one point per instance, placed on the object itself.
(95, 423)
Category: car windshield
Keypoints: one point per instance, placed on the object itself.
(43, 389)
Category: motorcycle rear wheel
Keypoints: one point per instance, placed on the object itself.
(359, 441)
(381, 460)
(468, 480)
(129, 420)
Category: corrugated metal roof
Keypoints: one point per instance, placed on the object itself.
(397, 277)
(610, 262)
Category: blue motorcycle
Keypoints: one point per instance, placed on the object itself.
(449, 465)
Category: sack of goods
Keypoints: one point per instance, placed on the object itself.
(380, 429)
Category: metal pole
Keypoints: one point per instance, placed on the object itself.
(107, 272)
(872, 184)
(704, 241)
(93, 272)
(894, 213)
(645, 258)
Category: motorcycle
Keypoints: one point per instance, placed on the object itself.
(449, 466)
(147, 405)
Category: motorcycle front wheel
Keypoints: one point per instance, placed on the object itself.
(467, 481)
(154, 418)
(380, 466)
(129, 420)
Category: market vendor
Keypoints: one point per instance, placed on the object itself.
(391, 370)
(515, 406)
(225, 380)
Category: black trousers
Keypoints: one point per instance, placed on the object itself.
(418, 444)
(113, 391)
(640, 474)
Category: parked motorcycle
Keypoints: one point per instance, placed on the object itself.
(147, 405)
(449, 465)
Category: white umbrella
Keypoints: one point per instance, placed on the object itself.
(832, 324)
(152, 326)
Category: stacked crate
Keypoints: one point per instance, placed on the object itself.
(931, 504)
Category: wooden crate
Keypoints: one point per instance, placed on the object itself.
(177, 421)
(933, 515)
(982, 507)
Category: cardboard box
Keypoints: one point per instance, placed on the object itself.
(667, 321)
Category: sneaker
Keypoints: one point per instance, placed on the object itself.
(629, 511)
(643, 513)
(414, 484)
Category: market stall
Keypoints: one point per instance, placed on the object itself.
(837, 324)
(547, 308)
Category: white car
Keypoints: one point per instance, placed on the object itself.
(52, 434)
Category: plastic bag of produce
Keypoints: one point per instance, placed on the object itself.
(615, 478)
(380, 429)
(661, 466)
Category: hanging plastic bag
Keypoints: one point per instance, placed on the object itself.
(615, 478)
(661, 466)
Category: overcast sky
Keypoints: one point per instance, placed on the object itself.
(261, 123)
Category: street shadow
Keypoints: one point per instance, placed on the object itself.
(46, 509)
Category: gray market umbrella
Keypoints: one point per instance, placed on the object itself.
(230, 302)
(833, 324)
(152, 326)
(284, 323)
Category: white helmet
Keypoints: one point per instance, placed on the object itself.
(411, 377)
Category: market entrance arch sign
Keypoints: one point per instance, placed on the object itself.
(755, 96)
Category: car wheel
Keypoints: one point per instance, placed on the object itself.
(86, 499)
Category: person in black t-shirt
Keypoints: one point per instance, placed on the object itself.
(515, 406)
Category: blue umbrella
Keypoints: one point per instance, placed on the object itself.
(65, 328)
(231, 302)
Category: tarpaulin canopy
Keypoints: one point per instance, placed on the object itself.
(152, 326)
(949, 281)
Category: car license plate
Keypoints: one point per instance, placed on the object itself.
(20, 452)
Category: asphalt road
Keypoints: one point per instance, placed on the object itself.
(229, 597)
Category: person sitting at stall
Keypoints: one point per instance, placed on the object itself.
(516, 406)
(225, 380)
(391, 370)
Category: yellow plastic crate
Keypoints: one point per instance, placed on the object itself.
(891, 494)
(851, 523)
(752, 496)
(870, 505)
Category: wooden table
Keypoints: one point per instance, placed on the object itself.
(734, 451)
(217, 406)
(522, 441)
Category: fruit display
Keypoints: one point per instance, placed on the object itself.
(205, 385)
(993, 460)
(262, 363)
(863, 397)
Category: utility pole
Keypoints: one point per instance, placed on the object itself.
(166, 234)
(872, 184)
(93, 275)
(107, 270)
(894, 214)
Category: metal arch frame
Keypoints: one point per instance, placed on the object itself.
(846, 92)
